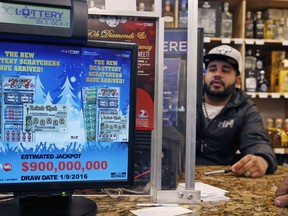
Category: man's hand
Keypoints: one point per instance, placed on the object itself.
(281, 194)
(250, 166)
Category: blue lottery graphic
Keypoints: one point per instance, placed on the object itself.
(64, 112)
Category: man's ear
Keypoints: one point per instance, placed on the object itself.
(238, 82)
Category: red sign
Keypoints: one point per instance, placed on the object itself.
(143, 32)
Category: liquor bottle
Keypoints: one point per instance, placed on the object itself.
(285, 30)
(91, 4)
(279, 70)
(263, 84)
(183, 15)
(283, 75)
(259, 26)
(284, 84)
(286, 131)
(270, 129)
(279, 30)
(141, 6)
(259, 60)
(226, 22)
(168, 15)
(269, 28)
(250, 61)
(278, 133)
(249, 25)
(250, 81)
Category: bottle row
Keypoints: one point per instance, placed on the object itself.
(277, 132)
(266, 74)
(214, 17)
(172, 17)
(268, 24)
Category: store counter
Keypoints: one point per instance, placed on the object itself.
(248, 196)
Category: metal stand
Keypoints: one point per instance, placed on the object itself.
(189, 195)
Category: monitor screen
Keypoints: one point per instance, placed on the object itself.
(67, 115)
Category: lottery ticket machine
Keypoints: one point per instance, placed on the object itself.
(67, 109)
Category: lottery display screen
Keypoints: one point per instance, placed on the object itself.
(67, 114)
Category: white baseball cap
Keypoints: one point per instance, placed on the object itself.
(225, 53)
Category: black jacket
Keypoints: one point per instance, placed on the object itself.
(238, 126)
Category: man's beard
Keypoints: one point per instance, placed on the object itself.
(228, 90)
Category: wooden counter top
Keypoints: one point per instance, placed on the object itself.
(248, 196)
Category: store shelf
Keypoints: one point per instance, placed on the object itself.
(252, 41)
(95, 11)
(270, 104)
(274, 95)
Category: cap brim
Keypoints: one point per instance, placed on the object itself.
(213, 57)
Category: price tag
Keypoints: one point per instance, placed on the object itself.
(285, 42)
(250, 41)
(128, 5)
(226, 41)
(207, 39)
(285, 62)
(263, 95)
(252, 94)
(238, 41)
(259, 42)
(279, 150)
(285, 95)
(275, 95)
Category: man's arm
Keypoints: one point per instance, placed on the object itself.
(254, 141)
